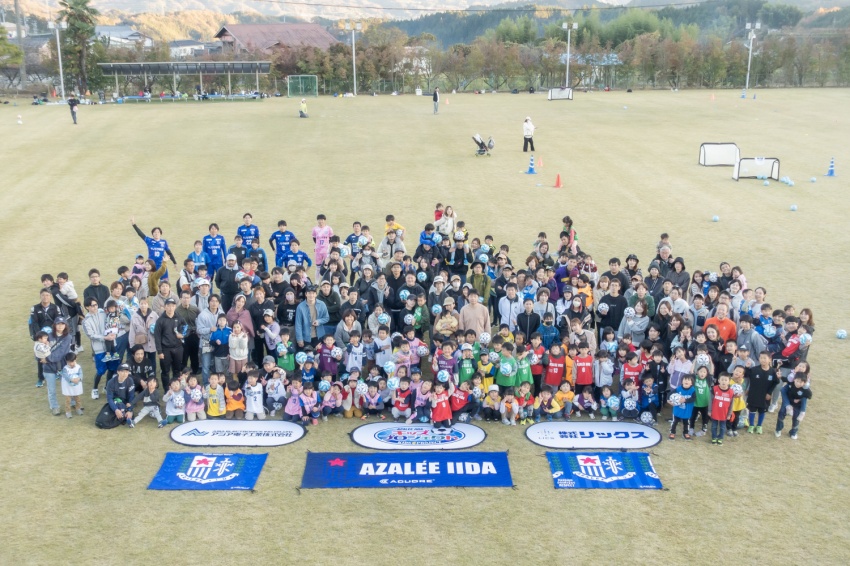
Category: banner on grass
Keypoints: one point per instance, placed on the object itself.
(584, 435)
(237, 433)
(424, 469)
(390, 436)
(193, 471)
(603, 470)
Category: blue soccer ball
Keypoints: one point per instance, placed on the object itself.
(393, 383)
(613, 402)
(280, 348)
(805, 339)
(769, 331)
(389, 367)
(324, 386)
(421, 276)
(437, 238)
(403, 294)
(841, 334)
(715, 218)
(485, 248)
(443, 376)
(506, 368)
(300, 357)
(362, 241)
(343, 252)
(793, 208)
(383, 318)
(436, 309)
(483, 258)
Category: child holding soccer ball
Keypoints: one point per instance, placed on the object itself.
(194, 400)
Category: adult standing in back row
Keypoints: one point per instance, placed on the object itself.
(527, 134)
(436, 100)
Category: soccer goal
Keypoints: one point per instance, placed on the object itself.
(302, 85)
(755, 167)
(719, 154)
(563, 93)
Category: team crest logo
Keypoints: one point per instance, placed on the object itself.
(390, 436)
(418, 436)
(209, 469)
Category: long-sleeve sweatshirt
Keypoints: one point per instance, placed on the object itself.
(165, 333)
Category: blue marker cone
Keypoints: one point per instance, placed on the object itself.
(531, 170)
(830, 173)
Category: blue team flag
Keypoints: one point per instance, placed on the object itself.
(603, 470)
(193, 471)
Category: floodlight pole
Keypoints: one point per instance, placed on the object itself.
(356, 27)
(752, 35)
(569, 28)
(56, 26)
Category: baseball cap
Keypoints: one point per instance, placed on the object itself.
(448, 301)
(325, 282)
(123, 367)
(268, 360)
(465, 347)
(60, 320)
(367, 266)
(493, 387)
(268, 312)
(170, 301)
(439, 279)
(231, 256)
(203, 282)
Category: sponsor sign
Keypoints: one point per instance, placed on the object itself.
(394, 436)
(604, 435)
(603, 470)
(237, 433)
(422, 469)
(192, 471)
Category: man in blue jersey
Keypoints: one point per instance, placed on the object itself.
(215, 246)
(300, 258)
(353, 241)
(157, 246)
(248, 231)
(280, 241)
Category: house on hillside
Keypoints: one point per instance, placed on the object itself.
(182, 48)
(10, 30)
(237, 38)
(122, 36)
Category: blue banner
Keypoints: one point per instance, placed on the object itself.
(423, 469)
(191, 470)
(603, 470)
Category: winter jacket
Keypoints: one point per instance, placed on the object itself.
(165, 332)
(303, 321)
(93, 326)
(141, 326)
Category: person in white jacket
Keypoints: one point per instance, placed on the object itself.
(510, 306)
(527, 135)
(93, 327)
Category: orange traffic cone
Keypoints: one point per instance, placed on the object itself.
(558, 184)
(540, 162)
(447, 102)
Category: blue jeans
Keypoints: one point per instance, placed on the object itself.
(718, 429)
(122, 343)
(780, 420)
(206, 366)
(50, 381)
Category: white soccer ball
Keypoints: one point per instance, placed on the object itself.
(403, 294)
(485, 248)
(703, 360)
(399, 232)
(409, 319)
(814, 179)
(646, 418)
(459, 235)
(712, 277)
(493, 357)
(535, 359)
(421, 276)
(769, 331)
(630, 312)
(362, 241)
(436, 309)
(179, 401)
(343, 252)
(383, 318)
(506, 368)
(389, 367)
(422, 351)
(737, 390)
(484, 338)
(603, 308)
(362, 388)
(392, 383)
(437, 238)
(630, 404)
(196, 395)
(613, 402)
(324, 386)
(301, 357)
(675, 399)
(715, 218)
(841, 334)
(463, 417)
(805, 339)
(336, 352)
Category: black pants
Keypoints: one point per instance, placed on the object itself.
(40, 367)
(527, 142)
(675, 425)
(191, 346)
(259, 351)
(700, 411)
(491, 414)
(226, 301)
(171, 363)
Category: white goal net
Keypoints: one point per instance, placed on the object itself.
(719, 154)
(564, 93)
(755, 167)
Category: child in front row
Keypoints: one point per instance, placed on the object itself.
(702, 400)
(607, 408)
(795, 398)
(509, 408)
(234, 400)
(721, 408)
(292, 411)
(72, 384)
(194, 400)
(150, 403)
(546, 405)
(422, 403)
(310, 408)
(254, 397)
(441, 411)
(332, 402)
(585, 402)
(491, 404)
(175, 404)
(684, 409)
(214, 395)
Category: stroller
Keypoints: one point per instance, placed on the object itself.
(483, 148)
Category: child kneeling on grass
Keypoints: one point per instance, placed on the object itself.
(795, 398)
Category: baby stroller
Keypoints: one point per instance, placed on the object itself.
(483, 148)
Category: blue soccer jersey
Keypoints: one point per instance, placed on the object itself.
(249, 234)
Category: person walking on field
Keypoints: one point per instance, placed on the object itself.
(528, 134)
(73, 102)
(436, 99)
(302, 110)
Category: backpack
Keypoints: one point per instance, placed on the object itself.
(106, 418)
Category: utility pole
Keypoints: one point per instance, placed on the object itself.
(23, 69)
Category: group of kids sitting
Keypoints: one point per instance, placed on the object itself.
(511, 377)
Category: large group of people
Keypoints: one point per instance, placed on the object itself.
(434, 326)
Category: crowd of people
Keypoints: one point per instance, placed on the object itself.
(439, 329)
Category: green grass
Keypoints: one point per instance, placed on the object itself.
(76, 494)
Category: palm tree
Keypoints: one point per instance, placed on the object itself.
(81, 19)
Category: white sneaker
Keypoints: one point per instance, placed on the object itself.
(506, 422)
(324, 418)
(80, 349)
(272, 413)
(772, 408)
(95, 394)
(604, 417)
(793, 437)
(699, 433)
(592, 416)
(778, 433)
(513, 423)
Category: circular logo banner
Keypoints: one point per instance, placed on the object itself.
(394, 436)
(605, 435)
(237, 433)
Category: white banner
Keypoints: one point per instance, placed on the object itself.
(604, 435)
(393, 436)
(237, 433)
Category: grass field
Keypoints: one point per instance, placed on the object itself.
(75, 494)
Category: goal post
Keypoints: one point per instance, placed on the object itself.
(756, 167)
(302, 85)
(719, 154)
(564, 93)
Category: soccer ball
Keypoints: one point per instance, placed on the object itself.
(421, 276)
(484, 338)
(712, 277)
(737, 390)
(343, 252)
(769, 331)
(48, 330)
(389, 367)
(613, 402)
(392, 383)
(324, 386)
(493, 357)
(395, 335)
(646, 418)
(535, 359)
(281, 348)
(443, 376)
(422, 351)
(277, 406)
(485, 248)
(336, 352)
(42, 351)
(841, 334)
(362, 388)
(703, 360)
(630, 404)
(463, 417)
(793, 208)
(301, 357)
(805, 339)
(399, 232)
(715, 218)
(383, 318)
(437, 238)
(459, 235)
(403, 294)
(603, 308)
(362, 241)
(506, 368)
(196, 395)
(675, 399)
(179, 401)
(483, 258)
(409, 319)
(436, 309)
(629, 312)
